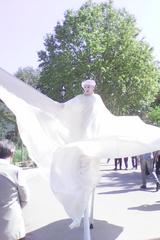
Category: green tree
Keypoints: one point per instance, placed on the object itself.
(7, 122)
(154, 115)
(29, 75)
(103, 43)
(7, 118)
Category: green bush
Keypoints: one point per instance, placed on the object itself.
(154, 116)
(20, 155)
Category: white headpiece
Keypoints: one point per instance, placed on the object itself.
(88, 82)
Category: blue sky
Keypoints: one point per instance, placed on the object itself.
(24, 24)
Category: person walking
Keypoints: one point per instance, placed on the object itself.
(146, 163)
(134, 162)
(126, 162)
(14, 195)
(157, 163)
(118, 162)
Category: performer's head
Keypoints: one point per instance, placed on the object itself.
(88, 86)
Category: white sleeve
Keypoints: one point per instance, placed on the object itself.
(23, 190)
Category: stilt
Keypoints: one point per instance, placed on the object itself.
(87, 234)
(92, 209)
(88, 218)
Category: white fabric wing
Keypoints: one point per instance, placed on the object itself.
(67, 140)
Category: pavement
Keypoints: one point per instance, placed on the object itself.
(122, 211)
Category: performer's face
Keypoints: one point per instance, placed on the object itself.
(88, 89)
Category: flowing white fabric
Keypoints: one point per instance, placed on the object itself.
(67, 140)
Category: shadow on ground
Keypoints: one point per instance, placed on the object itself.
(122, 178)
(60, 230)
(126, 181)
(147, 207)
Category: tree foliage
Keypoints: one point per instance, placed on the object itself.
(8, 124)
(100, 42)
(154, 115)
(7, 121)
(29, 75)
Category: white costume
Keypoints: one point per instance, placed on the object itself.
(70, 138)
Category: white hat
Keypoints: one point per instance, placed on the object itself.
(88, 82)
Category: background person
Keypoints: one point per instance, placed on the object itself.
(118, 162)
(146, 163)
(126, 162)
(157, 162)
(13, 196)
(134, 162)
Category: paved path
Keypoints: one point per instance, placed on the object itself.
(122, 211)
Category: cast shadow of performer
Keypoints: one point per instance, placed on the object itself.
(59, 230)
